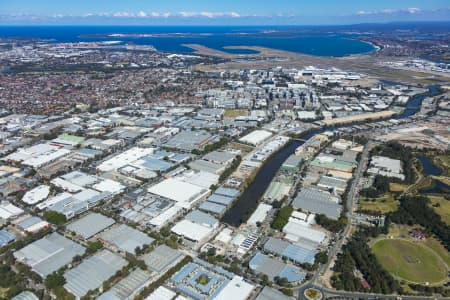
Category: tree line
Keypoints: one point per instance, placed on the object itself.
(356, 255)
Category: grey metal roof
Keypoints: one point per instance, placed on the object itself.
(213, 207)
(264, 264)
(109, 295)
(127, 286)
(293, 252)
(269, 293)
(219, 157)
(79, 203)
(227, 192)
(180, 157)
(90, 152)
(155, 164)
(317, 201)
(29, 222)
(276, 246)
(92, 272)
(261, 263)
(80, 178)
(329, 181)
(90, 225)
(161, 258)
(207, 166)
(201, 218)
(189, 140)
(25, 295)
(126, 238)
(313, 194)
(219, 199)
(49, 254)
(292, 161)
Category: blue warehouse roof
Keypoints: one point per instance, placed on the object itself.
(6, 237)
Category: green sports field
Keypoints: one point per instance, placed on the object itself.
(410, 261)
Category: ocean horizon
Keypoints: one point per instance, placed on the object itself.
(299, 39)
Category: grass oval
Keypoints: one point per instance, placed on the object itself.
(410, 261)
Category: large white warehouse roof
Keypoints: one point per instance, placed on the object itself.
(256, 137)
(182, 192)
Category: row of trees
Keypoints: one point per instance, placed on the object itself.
(211, 147)
(234, 165)
(356, 255)
(330, 224)
(282, 217)
(154, 285)
(430, 290)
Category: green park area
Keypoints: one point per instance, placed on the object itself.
(410, 261)
(382, 205)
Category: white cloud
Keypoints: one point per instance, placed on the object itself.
(414, 10)
(208, 14)
(121, 14)
(388, 11)
(363, 12)
(141, 14)
(155, 14)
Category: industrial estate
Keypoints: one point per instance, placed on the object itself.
(130, 173)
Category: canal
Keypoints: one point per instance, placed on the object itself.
(428, 167)
(431, 169)
(414, 104)
(249, 199)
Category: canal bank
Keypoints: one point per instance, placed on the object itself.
(249, 199)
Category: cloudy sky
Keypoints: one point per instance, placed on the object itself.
(221, 12)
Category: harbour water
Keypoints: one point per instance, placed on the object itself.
(172, 38)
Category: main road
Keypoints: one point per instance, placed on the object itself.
(332, 294)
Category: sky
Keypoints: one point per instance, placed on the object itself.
(225, 12)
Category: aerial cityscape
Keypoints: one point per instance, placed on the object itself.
(230, 150)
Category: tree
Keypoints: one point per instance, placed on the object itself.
(77, 259)
(282, 217)
(211, 251)
(172, 242)
(235, 267)
(165, 231)
(95, 246)
(265, 280)
(321, 257)
(282, 281)
(330, 224)
(55, 218)
(287, 292)
(138, 251)
(54, 280)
